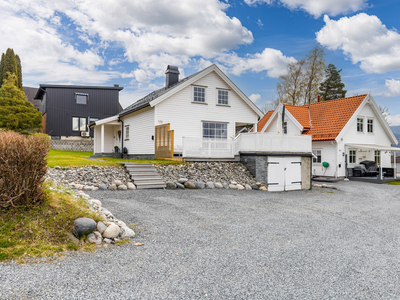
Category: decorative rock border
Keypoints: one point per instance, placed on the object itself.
(184, 183)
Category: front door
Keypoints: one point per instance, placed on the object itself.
(163, 142)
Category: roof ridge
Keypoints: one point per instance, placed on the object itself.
(339, 99)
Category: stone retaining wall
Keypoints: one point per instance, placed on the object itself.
(72, 145)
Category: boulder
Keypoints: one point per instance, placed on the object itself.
(240, 187)
(118, 182)
(263, 188)
(112, 231)
(127, 233)
(218, 185)
(102, 186)
(255, 187)
(200, 185)
(233, 186)
(96, 202)
(179, 185)
(182, 180)
(121, 223)
(225, 185)
(122, 187)
(190, 185)
(107, 241)
(210, 185)
(112, 187)
(247, 187)
(101, 227)
(84, 226)
(233, 182)
(171, 185)
(95, 238)
(131, 186)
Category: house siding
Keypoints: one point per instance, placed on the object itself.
(141, 131)
(185, 117)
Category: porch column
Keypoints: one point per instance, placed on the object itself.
(380, 165)
(395, 165)
(102, 138)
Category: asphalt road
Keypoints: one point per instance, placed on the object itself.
(227, 244)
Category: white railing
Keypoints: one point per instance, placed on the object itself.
(207, 148)
(245, 142)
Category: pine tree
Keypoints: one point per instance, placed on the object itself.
(16, 112)
(10, 64)
(3, 57)
(19, 71)
(332, 87)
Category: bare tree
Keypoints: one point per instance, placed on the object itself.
(385, 113)
(314, 73)
(290, 87)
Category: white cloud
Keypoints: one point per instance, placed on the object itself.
(393, 120)
(317, 7)
(270, 60)
(255, 97)
(393, 86)
(260, 23)
(365, 40)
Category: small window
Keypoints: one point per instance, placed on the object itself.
(213, 130)
(352, 156)
(222, 97)
(360, 125)
(81, 98)
(378, 157)
(126, 133)
(78, 124)
(317, 159)
(199, 94)
(370, 125)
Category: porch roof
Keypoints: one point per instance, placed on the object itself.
(107, 121)
(375, 147)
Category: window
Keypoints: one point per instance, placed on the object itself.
(81, 98)
(352, 156)
(378, 156)
(222, 97)
(370, 125)
(127, 133)
(199, 94)
(360, 125)
(215, 130)
(317, 159)
(78, 124)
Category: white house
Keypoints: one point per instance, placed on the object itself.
(205, 105)
(344, 132)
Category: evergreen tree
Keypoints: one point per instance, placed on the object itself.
(16, 112)
(332, 87)
(10, 64)
(19, 71)
(3, 58)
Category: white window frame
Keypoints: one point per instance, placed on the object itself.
(224, 131)
(318, 153)
(370, 125)
(221, 95)
(126, 138)
(360, 124)
(352, 156)
(377, 156)
(195, 91)
(82, 124)
(81, 95)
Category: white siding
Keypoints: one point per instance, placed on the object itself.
(141, 131)
(186, 118)
(328, 154)
(292, 129)
(108, 139)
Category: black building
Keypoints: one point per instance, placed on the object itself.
(67, 110)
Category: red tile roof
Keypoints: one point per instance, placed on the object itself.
(264, 120)
(324, 120)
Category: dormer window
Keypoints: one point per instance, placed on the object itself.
(360, 124)
(81, 98)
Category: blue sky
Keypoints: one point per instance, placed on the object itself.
(130, 43)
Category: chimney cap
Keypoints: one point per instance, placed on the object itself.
(172, 69)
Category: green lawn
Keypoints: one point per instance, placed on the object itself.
(394, 183)
(81, 158)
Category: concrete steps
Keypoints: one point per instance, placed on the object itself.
(145, 176)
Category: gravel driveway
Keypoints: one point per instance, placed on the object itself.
(225, 244)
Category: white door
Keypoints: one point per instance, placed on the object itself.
(284, 173)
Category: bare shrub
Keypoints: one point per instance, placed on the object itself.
(22, 169)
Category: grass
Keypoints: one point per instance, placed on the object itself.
(42, 231)
(81, 158)
(394, 183)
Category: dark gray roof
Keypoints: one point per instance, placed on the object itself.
(30, 93)
(145, 101)
(42, 88)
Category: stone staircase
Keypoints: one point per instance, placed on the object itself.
(145, 176)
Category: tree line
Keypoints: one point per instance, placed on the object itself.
(16, 112)
(308, 78)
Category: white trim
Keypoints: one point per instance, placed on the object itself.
(374, 147)
(201, 75)
(106, 120)
(287, 113)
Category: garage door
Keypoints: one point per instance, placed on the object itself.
(284, 173)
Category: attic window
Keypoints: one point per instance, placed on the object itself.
(199, 94)
(222, 97)
(370, 125)
(81, 98)
(360, 125)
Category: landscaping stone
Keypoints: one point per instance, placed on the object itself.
(84, 226)
(107, 241)
(171, 185)
(200, 185)
(112, 187)
(102, 186)
(233, 186)
(122, 187)
(247, 187)
(95, 201)
(225, 185)
(179, 185)
(95, 238)
(255, 187)
(218, 185)
(127, 233)
(210, 185)
(263, 188)
(240, 187)
(101, 227)
(182, 180)
(131, 186)
(189, 185)
(112, 231)
(118, 182)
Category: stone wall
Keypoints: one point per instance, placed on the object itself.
(72, 145)
(257, 165)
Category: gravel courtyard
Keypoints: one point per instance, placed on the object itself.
(227, 244)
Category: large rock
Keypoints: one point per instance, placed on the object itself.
(118, 182)
(101, 227)
(95, 238)
(255, 187)
(131, 186)
(112, 187)
(218, 185)
(171, 185)
(127, 233)
(179, 185)
(225, 185)
(263, 188)
(190, 185)
(84, 226)
(240, 187)
(247, 187)
(102, 186)
(112, 231)
(182, 180)
(210, 185)
(233, 186)
(96, 202)
(122, 187)
(200, 185)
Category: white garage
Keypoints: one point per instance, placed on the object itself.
(284, 173)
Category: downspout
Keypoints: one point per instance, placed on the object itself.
(283, 119)
(122, 137)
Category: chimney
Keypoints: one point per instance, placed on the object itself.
(172, 76)
(116, 85)
(319, 98)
